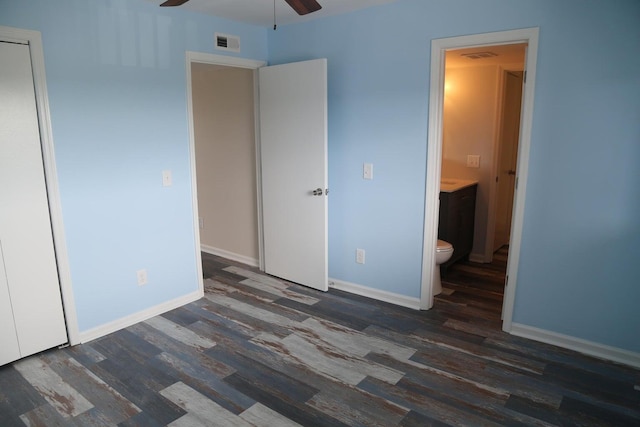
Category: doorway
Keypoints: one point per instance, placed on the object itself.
(209, 161)
(224, 135)
(290, 218)
(435, 148)
(481, 119)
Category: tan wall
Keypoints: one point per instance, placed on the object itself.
(223, 110)
(469, 126)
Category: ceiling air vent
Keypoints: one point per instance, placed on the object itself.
(227, 42)
(478, 55)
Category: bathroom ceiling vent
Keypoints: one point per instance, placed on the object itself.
(227, 42)
(478, 55)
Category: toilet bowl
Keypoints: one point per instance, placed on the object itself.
(444, 250)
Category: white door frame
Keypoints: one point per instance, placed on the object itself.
(229, 61)
(434, 156)
(34, 40)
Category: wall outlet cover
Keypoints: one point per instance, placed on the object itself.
(473, 161)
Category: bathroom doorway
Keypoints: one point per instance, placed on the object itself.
(481, 164)
(481, 122)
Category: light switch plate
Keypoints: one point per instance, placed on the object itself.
(367, 171)
(166, 178)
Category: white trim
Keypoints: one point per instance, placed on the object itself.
(229, 61)
(256, 127)
(209, 58)
(230, 255)
(34, 39)
(140, 316)
(524, 145)
(194, 180)
(432, 185)
(434, 155)
(377, 294)
(590, 348)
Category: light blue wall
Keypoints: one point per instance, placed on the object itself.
(117, 91)
(116, 79)
(580, 259)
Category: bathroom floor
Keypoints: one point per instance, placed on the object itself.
(475, 290)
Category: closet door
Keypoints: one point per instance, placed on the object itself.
(9, 349)
(30, 270)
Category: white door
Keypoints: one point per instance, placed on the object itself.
(9, 348)
(293, 135)
(28, 257)
(508, 157)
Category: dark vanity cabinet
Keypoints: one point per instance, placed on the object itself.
(457, 215)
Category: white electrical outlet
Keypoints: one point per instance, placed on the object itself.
(360, 256)
(473, 161)
(142, 277)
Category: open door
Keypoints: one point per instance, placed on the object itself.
(508, 157)
(293, 153)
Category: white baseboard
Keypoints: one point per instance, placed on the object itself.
(230, 255)
(140, 316)
(376, 294)
(590, 348)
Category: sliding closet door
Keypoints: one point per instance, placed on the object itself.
(30, 270)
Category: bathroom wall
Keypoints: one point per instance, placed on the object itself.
(469, 127)
(223, 110)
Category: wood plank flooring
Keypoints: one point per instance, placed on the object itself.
(258, 351)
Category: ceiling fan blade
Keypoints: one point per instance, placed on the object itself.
(302, 7)
(174, 2)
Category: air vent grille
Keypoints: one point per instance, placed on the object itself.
(227, 42)
(478, 55)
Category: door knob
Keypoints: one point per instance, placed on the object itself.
(511, 172)
(318, 192)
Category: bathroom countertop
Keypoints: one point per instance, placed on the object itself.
(449, 185)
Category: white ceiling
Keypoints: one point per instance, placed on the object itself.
(260, 12)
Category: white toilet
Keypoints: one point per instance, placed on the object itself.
(444, 250)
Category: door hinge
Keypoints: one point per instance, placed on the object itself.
(506, 281)
(524, 77)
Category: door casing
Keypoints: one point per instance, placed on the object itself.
(434, 156)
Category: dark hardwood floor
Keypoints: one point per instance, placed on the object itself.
(475, 290)
(259, 351)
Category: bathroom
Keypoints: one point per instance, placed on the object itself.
(482, 97)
